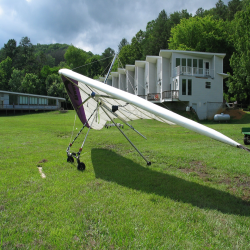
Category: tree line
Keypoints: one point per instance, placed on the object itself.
(29, 68)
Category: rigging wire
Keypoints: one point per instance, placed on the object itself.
(91, 63)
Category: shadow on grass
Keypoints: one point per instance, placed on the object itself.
(110, 166)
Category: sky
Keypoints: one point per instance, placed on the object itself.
(92, 25)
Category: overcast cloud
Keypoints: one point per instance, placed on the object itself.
(91, 25)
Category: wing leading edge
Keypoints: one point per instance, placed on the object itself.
(130, 107)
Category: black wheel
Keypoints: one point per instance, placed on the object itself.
(81, 166)
(70, 159)
(148, 163)
(246, 140)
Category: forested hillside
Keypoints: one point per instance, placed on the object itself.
(29, 68)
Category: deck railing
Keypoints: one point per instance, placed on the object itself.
(171, 94)
(193, 71)
(28, 107)
(154, 97)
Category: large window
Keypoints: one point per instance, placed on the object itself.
(42, 101)
(33, 100)
(23, 99)
(184, 88)
(13, 99)
(178, 62)
(200, 66)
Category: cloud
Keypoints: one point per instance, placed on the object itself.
(91, 25)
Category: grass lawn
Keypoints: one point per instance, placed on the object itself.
(195, 195)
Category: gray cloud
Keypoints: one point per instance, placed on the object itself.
(91, 25)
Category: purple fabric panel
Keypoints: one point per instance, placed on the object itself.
(75, 97)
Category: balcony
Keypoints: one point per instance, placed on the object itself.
(193, 71)
(154, 97)
(170, 95)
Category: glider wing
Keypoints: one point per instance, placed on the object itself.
(86, 94)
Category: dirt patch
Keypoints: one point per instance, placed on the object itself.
(234, 183)
(197, 167)
(235, 113)
(43, 161)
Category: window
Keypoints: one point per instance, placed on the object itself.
(178, 62)
(200, 66)
(42, 101)
(195, 63)
(23, 99)
(13, 99)
(52, 102)
(189, 86)
(33, 100)
(184, 87)
(183, 62)
(208, 85)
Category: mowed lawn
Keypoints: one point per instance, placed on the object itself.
(195, 195)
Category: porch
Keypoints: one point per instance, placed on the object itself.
(193, 71)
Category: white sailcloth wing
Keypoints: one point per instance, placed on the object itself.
(130, 107)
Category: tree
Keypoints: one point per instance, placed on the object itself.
(5, 73)
(26, 57)
(122, 43)
(233, 7)
(220, 10)
(55, 86)
(77, 58)
(10, 49)
(106, 59)
(239, 81)
(15, 82)
(94, 66)
(200, 12)
(32, 84)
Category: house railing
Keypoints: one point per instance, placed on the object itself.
(29, 107)
(172, 94)
(193, 71)
(154, 97)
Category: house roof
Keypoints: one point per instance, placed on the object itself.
(140, 63)
(168, 53)
(25, 94)
(152, 59)
(130, 67)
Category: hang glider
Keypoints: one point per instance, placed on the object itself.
(96, 103)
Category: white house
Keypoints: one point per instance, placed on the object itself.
(178, 79)
(23, 101)
(130, 78)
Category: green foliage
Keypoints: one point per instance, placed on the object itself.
(106, 59)
(15, 82)
(93, 66)
(239, 82)
(5, 73)
(77, 58)
(122, 43)
(55, 86)
(32, 84)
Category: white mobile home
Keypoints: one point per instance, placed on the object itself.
(23, 101)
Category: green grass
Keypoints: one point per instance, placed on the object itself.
(195, 195)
